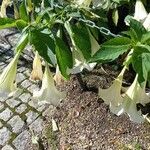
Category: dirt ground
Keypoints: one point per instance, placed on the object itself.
(85, 122)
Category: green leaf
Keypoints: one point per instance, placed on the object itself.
(146, 38)
(64, 57)
(44, 44)
(82, 40)
(111, 49)
(7, 23)
(23, 12)
(23, 41)
(141, 66)
(21, 24)
(136, 26)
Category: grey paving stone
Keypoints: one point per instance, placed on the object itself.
(7, 147)
(7, 59)
(16, 124)
(20, 109)
(27, 57)
(2, 63)
(4, 136)
(2, 99)
(31, 116)
(33, 103)
(26, 84)
(3, 67)
(12, 102)
(14, 38)
(37, 126)
(20, 77)
(25, 97)
(4, 44)
(21, 69)
(23, 141)
(33, 88)
(42, 107)
(6, 114)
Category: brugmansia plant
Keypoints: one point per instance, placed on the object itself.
(135, 43)
(73, 36)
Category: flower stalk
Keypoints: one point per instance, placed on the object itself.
(48, 92)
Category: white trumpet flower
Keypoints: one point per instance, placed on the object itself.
(79, 61)
(58, 76)
(80, 64)
(129, 107)
(135, 94)
(140, 11)
(146, 23)
(48, 92)
(37, 73)
(142, 15)
(4, 5)
(7, 78)
(112, 95)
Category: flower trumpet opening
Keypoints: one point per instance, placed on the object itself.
(140, 11)
(48, 92)
(134, 95)
(112, 95)
(37, 73)
(80, 63)
(7, 78)
(129, 107)
(137, 93)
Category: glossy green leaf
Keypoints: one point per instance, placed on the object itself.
(82, 40)
(64, 57)
(111, 49)
(44, 44)
(146, 38)
(137, 27)
(22, 42)
(23, 12)
(7, 23)
(141, 65)
(21, 24)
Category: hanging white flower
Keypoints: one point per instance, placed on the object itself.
(146, 23)
(80, 62)
(48, 92)
(37, 73)
(112, 96)
(142, 15)
(140, 11)
(7, 78)
(134, 95)
(129, 107)
(4, 5)
(58, 76)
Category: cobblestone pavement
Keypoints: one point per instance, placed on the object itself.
(21, 116)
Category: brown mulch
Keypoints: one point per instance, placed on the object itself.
(85, 122)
